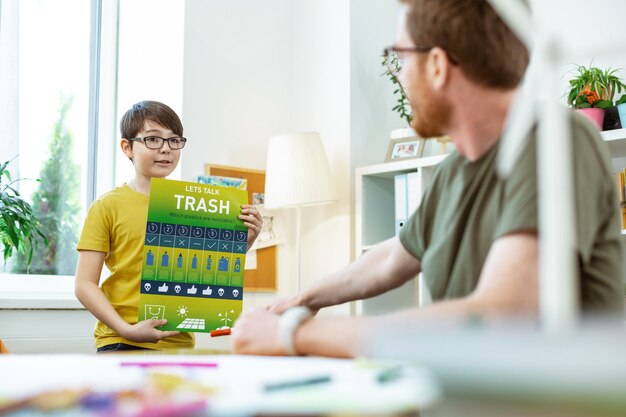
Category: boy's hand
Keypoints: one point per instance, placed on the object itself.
(146, 331)
(252, 220)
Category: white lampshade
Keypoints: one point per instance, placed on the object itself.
(297, 172)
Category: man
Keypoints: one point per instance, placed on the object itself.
(475, 235)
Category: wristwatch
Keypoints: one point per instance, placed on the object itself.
(288, 322)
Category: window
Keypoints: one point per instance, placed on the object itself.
(44, 64)
(70, 68)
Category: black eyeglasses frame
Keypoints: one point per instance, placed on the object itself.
(163, 140)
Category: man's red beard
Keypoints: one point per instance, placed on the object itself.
(431, 114)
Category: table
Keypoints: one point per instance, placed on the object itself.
(213, 385)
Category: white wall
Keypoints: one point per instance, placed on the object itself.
(257, 69)
(149, 63)
(321, 93)
(585, 32)
(590, 36)
(373, 26)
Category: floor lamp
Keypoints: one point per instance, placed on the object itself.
(297, 175)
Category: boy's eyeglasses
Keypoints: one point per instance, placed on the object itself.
(156, 142)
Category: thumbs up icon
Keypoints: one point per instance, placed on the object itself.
(192, 290)
(163, 288)
(207, 291)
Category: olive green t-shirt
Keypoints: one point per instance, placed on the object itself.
(467, 207)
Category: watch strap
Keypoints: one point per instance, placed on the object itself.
(288, 323)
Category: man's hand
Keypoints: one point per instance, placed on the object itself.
(252, 220)
(283, 304)
(146, 331)
(256, 332)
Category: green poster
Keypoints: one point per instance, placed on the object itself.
(194, 256)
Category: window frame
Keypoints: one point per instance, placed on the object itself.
(57, 291)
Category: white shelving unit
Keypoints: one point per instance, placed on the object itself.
(374, 193)
(375, 222)
(616, 140)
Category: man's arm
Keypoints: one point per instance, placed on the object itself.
(91, 296)
(385, 267)
(508, 286)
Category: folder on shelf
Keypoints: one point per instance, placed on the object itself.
(413, 192)
(400, 201)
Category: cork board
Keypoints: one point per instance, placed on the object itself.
(263, 278)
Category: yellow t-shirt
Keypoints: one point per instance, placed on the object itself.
(116, 225)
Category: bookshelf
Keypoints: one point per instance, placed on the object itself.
(374, 217)
(375, 214)
(616, 141)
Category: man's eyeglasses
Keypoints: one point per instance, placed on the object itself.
(394, 57)
(156, 142)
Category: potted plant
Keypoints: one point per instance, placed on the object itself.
(18, 226)
(592, 91)
(402, 107)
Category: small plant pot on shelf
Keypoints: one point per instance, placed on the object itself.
(612, 119)
(621, 110)
(595, 115)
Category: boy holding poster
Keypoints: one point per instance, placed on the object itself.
(115, 228)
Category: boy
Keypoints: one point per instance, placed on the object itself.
(152, 138)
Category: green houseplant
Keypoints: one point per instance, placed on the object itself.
(402, 107)
(18, 225)
(592, 91)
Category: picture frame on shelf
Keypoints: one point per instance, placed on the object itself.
(415, 147)
(404, 148)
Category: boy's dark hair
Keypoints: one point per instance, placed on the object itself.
(473, 33)
(133, 120)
